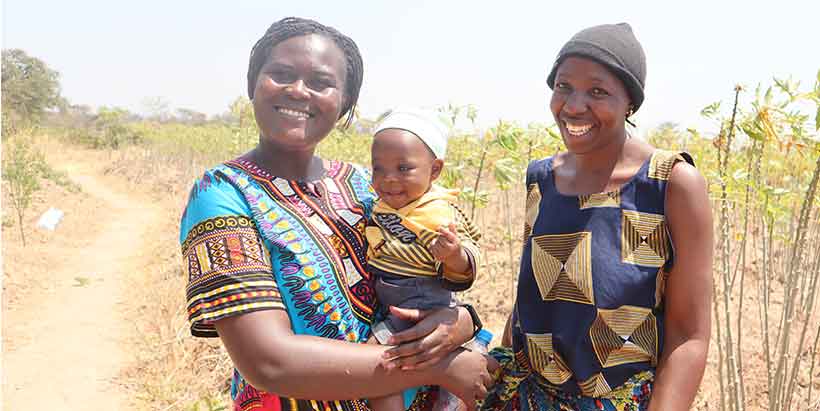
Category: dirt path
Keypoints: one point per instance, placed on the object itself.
(64, 330)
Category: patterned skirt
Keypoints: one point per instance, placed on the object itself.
(518, 389)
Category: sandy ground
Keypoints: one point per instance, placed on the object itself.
(64, 326)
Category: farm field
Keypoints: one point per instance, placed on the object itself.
(108, 288)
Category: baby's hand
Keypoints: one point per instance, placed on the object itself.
(446, 244)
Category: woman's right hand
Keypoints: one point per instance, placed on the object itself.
(467, 376)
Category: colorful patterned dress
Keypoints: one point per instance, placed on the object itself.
(588, 320)
(252, 241)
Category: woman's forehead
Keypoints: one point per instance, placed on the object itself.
(313, 48)
(583, 67)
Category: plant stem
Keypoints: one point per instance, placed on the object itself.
(477, 180)
(732, 371)
(797, 256)
(721, 360)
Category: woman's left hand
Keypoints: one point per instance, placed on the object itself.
(436, 333)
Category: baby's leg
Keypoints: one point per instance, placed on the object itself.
(392, 402)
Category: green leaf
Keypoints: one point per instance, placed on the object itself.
(753, 132)
(554, 134)
(504, 172)
(710, 110)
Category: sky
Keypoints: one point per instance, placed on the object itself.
(494, 55)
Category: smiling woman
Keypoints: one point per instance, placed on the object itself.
(274, 245)
(298, 93)
(608, 315)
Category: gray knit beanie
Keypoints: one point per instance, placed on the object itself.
(614, 46)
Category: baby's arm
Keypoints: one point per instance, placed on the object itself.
(447, 249)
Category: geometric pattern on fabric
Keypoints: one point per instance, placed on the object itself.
(644, 239)
(610, 199)
(625, 335)
(302, 249)
(633, 253)
(317, 246)
(223, 245)
(545, 360)
(661, 163)
(531, 209)
(515, 390)
(562, 267)
(595, 386)
(228, 271)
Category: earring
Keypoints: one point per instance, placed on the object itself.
(630, 111)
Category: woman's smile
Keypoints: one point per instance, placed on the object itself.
(293, 113)
(577, 129)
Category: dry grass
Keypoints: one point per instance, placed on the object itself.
(192, 372)
(173, 371)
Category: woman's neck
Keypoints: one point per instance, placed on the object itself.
(287, 164)
(602, 160)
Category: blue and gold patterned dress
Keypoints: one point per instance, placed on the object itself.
(252, 241)
(587, 326)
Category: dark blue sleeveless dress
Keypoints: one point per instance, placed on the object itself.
(588, 320)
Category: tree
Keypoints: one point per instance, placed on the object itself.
(29, 88)
(188, 116)
(22, 166)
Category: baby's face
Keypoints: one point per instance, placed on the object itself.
(403, 167)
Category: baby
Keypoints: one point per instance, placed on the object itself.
(421, 246)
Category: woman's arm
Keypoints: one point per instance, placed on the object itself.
(436, 334)
(506, 339)
(688, 292)
(272, 358)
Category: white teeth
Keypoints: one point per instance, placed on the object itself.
(293, 113)
(577, 130)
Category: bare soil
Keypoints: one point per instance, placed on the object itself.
(65, 329)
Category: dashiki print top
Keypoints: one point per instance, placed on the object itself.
(589, 311)
(252, 241)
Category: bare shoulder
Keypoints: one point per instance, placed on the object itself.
(685, 180)
(687, 198)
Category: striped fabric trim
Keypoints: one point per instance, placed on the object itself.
(662, 161)
(611, 199)
(660, 286)
(469, 235)
(207, 296)
(204, 316)
(413, 259)
(396, 266)
(531, 209)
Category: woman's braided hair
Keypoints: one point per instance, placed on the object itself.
(294, 27)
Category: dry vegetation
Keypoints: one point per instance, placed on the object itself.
(763, 171)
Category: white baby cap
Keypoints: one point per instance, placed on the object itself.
(425, 124)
